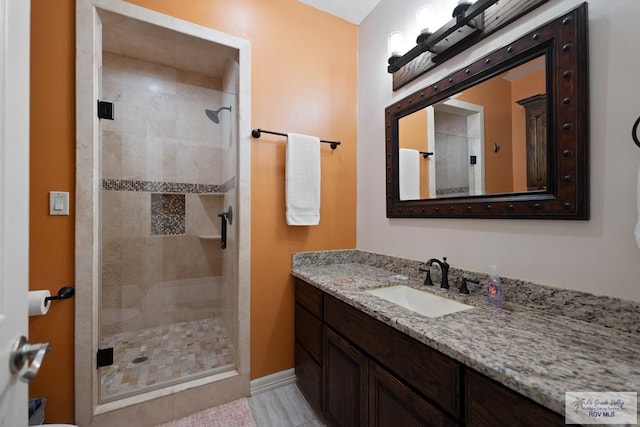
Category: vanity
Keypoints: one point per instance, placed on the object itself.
(361, 360)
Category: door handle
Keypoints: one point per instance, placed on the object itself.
(225, 217)
(22, 351)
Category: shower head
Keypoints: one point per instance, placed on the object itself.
(213, 114)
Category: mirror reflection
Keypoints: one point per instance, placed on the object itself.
(488, 139)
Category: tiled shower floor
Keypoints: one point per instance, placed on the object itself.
(174, 352)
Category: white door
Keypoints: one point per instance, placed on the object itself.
(14, 200)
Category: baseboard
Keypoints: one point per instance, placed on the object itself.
(272, 381)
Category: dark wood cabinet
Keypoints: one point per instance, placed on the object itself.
(490, 404)
(309, 333)
(309, 375)
(358, 371)
(345, 382)
(308, 343)
(433, 374)
(536, 140)
(393, 403)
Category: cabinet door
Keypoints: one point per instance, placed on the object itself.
(391, 403)
(309, 375)
(428, 371)
(308, 332)
(536, 128)
(491, 404)
(345, 382)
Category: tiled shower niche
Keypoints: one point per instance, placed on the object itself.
(167, 214)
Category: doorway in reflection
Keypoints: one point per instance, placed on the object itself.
(457, 142)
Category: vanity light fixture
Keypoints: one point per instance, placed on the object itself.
(468, 19)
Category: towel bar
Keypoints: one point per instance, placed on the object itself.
(256, 133)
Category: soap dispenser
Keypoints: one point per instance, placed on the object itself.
(494, 288)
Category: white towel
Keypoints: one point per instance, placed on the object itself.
(637, 231)
(409, 165)
(302, 179)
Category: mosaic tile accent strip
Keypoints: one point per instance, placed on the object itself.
(167, 214)
(175, 353)
(453, 191)
(229, 185)
(166, 187)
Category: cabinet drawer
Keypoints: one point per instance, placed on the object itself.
(309, 332)
(490, 404)
(309, 297)
(433, 374)
(309, 376)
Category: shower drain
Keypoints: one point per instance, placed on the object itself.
(140, 359)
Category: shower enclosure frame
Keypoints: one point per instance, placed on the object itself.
(175, 401)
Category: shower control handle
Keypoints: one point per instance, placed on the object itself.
(225, 217)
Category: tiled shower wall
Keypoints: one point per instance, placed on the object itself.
(160, 156)
(452, 148)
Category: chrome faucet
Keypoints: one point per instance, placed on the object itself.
(444, 268)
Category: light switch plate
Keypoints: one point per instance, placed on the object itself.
(58, 203)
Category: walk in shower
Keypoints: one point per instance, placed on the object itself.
(167, 250)
(164, 310)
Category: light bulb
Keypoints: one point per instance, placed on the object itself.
(395, 43)
(423, 17)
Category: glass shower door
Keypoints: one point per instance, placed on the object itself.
(167, 287)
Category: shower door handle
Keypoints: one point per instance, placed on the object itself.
(225, 217)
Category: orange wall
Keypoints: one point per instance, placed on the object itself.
(303, 80)
(495, 96)
(51, 261)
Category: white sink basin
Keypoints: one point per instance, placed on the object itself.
(421, 302)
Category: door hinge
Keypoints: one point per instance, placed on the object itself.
(473, 160)
(104, 357)
(105, 110)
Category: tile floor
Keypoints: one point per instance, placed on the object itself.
(173, 352)
(283, 407)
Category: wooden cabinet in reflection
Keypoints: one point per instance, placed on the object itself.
(536, 127)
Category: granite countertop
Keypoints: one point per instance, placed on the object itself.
(538, 354)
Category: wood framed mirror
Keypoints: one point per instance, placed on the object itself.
(504, 137)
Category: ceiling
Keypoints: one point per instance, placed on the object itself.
(351, 10)
(132, 38)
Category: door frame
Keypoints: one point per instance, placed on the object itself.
(15, 20)
(474, 114)
(178, 400)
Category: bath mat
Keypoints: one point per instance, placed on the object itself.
(232, 414)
